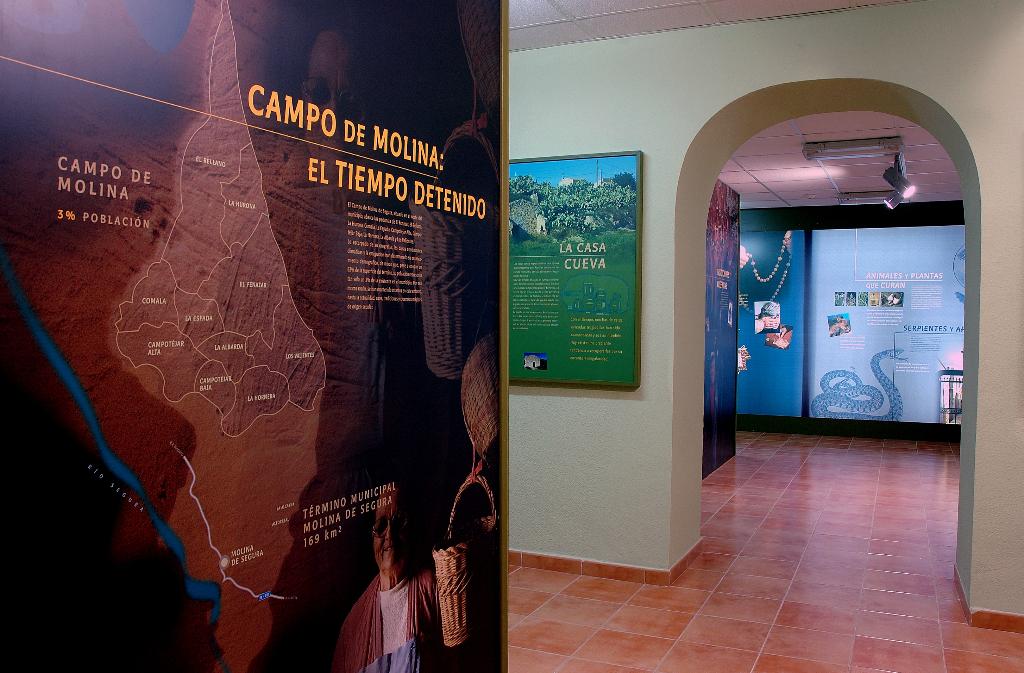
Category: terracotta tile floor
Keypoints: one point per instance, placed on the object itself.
(823, 555)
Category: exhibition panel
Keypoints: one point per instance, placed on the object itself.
(720, 300)
(872, 331)
(574, 270)
(250, 313)
(882, 352)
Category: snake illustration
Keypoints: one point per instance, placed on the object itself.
(843, 389)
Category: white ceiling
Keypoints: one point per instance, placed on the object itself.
(770, 171)
(546, 23)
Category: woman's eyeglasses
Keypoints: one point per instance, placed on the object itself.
(396, 522)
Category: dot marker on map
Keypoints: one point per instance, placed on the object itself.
(224, 561)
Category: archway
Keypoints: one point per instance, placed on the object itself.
(711, 148)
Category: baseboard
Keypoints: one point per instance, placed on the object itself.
(684, 563)
(987, 619)
(961, 594)
(1000, 621)
(611, 571)
(933, 432)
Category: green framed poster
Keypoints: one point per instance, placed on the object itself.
(574, 270)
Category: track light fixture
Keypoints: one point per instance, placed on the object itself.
(864, 148)
(862, 198)
(896, 176)
(894, 199)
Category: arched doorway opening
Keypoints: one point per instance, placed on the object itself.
(711, 148)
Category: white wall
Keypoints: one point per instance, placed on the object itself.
(614, 476)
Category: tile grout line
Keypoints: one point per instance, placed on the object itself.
(807, 545)
(737, 555)
(597, 630)
(697, 612)
(860, 591)
(931, 563)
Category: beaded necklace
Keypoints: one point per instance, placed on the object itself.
(784, 253)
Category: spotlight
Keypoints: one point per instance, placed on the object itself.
(894, 199)
(899, 182)
(896, 176)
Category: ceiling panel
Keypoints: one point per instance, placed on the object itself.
(801, 186)
(749, 188)
(736, 177)
(762, 203)
(795, 202)
(946, 179)
(583, 8)
(742, 10)
(620, 18)
(940, 188)
(529, 12)
(925, 152)
(863, 184)
(844, 122)
(917, 136)
(761, 146)
(534, 36)
(783, 129)
(855, 171)
(807, 194)
(903, 123)
(931, 166)
(769, 170)
(635, 23)
(767, 161)
(810, 173)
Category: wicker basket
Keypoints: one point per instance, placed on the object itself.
(448, 243)
(454, 567)
(469, 132)
(444, 281)
(480, 396)
(481, 33)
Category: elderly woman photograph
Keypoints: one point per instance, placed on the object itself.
(394, 626)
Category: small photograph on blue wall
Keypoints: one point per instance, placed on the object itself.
(767, 316)
(839, 324)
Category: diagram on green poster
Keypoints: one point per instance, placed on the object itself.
(596, 295)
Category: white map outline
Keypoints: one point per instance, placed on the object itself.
(284, 287)
(209, 537)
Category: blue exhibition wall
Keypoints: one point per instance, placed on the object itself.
(866, 325)
(772, 268)
(881, 354)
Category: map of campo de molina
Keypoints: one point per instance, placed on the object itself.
(215, 314)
